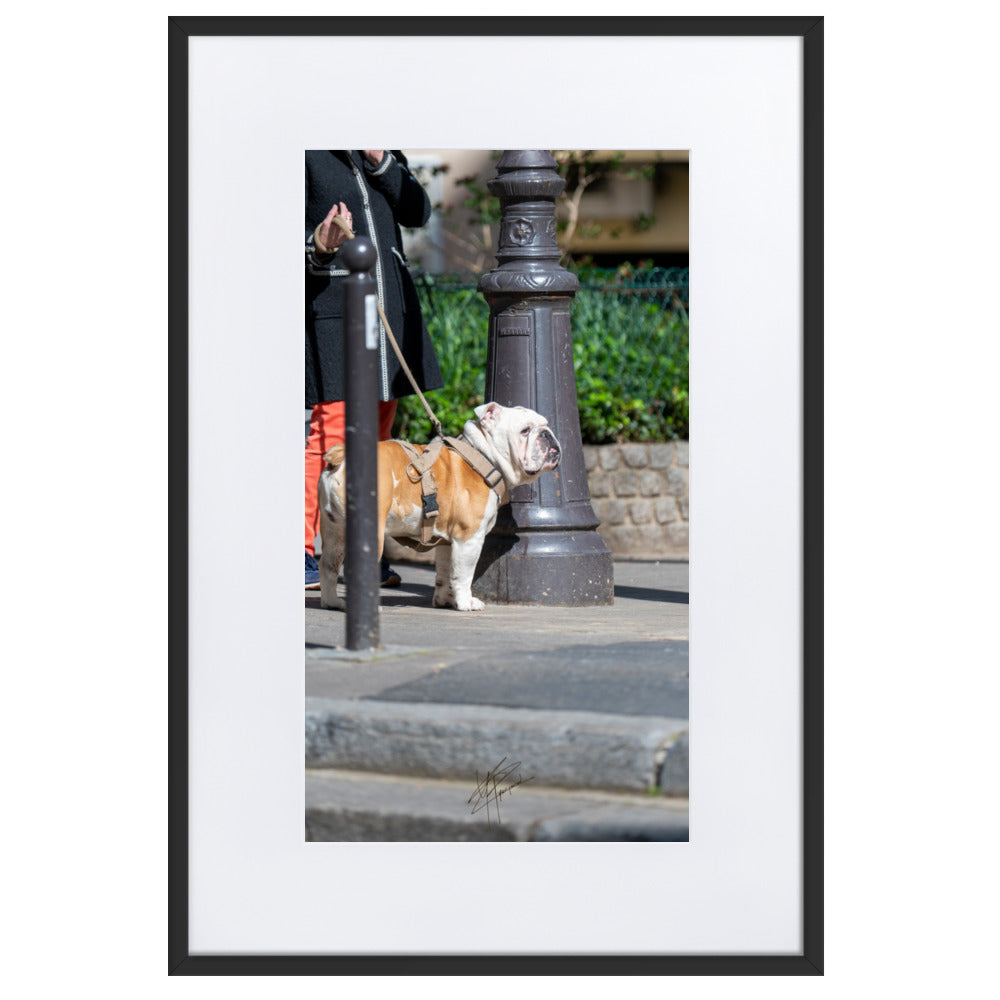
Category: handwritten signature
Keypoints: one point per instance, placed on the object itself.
(493, 786)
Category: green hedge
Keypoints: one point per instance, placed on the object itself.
(457, 318)
(630, 354)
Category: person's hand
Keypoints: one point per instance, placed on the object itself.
(374, 156)
(328, 233)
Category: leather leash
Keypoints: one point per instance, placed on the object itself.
(392, 340)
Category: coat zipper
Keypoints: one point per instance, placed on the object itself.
(379, 279)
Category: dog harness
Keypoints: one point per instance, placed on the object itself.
(419, 469)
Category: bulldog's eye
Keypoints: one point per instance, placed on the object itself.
(525, 431)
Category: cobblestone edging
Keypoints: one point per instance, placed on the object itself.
(640, 494)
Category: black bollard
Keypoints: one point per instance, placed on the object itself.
(545, 548)
(361, 443)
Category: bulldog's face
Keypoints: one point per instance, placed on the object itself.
(521, 438)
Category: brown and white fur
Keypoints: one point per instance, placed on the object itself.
(516, 440)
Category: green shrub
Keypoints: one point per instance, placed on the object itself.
(630, 355)
(457, 318)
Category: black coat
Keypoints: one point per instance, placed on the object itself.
(394, 198)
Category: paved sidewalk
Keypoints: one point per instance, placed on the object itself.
(588, 701)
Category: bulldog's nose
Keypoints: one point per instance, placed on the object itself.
(550, 444)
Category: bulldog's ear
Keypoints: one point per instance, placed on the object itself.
(489, 414)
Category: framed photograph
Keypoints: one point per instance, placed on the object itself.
(661, 818)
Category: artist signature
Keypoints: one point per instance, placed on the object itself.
(493, 786)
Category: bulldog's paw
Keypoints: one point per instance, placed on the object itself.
(446, 599)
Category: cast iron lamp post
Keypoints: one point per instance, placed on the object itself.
(545, 548)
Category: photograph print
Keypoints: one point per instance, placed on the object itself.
(496, 495)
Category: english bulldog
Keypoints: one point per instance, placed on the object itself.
(517, 441)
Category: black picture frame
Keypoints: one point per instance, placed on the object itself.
(810, 961)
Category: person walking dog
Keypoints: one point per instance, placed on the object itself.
(373, 191)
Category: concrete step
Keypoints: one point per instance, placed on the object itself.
(351, 806)
(570, 749)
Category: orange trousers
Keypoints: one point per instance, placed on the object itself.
(326, 429)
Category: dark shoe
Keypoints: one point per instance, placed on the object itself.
(312, 573)
(390, 578)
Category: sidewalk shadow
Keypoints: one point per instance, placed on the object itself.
(410, 595)
(649, 594)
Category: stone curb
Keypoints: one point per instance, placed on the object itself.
(347, 806)
(568, 749)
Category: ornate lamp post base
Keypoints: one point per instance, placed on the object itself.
(558, 568)
(545, 548)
